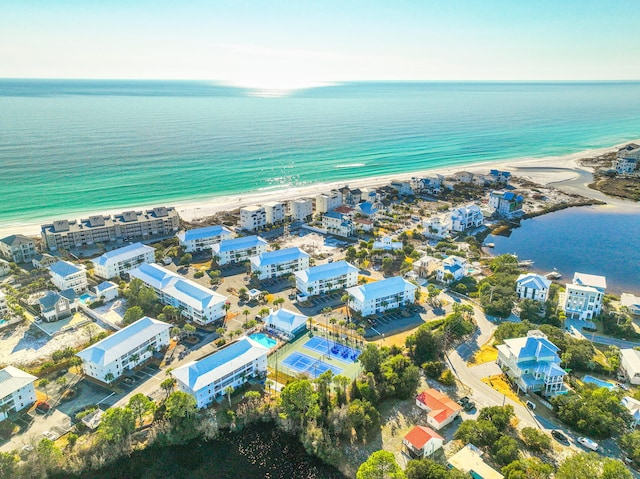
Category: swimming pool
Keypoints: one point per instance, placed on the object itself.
(263, 339)
(86, 297)
(598, 382)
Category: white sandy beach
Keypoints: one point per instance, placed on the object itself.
(546, 170)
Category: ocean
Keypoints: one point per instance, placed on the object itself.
(70, 146)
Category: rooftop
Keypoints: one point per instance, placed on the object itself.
(12, 379)
(326, 271)
(469, 458)
(285, 320)
(531, 347)
(104, 286)
(234, 244)
(385, 287)
(582, 279)
(16, 240)
(202, 233)
(64, 268)
(122, 254)
(533, 281)
(632, 359)
(441, 405)
(421, 435)
(278, 256)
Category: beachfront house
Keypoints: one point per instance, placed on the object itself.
(437, 226)
(17, 391)
(630, 365)
(533, 286)
(533, 364)
(466, 217)
(119, 261)
(43, 260)
(240, 249)
(301, 209)
(109, 358)
(468, 460)
(56, 306)
(421, 442)
(337, 224)
(195, 302)
(107, 291)
(631, 302)
(65, 275)
(431, 185)
(209, 378)
(325, 278)
(583, 297)
(273, 264)
(126, 226)
(325, 202)
(201, 239)
(452, 268)
(253, 218)
(440, 408)
(17, 248)
(274, 211)
(286, 322)
(380, 296)
(506, 203)
(5, 268)
(4, 307)
(627, 160)
(350, 196)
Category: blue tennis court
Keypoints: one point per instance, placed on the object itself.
(333, 350)
(302, 363)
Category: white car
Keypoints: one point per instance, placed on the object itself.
(50, 435)
(588, 443)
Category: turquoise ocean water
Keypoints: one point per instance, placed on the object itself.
(70, 146)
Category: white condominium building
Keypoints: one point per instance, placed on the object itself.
(232, 366)
(326, 277)
(65, 275)
(465, 217)
(252, 218)
(328, 202)
(274, 212)
(533, 286)
(108, 359)
(239, 249)
(16, 390)
(583, 298)
(273, 264)
(380, 296)
(122, 260)
(195, 302)
(300, 209)
(202, 239)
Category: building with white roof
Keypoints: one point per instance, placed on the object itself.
(465, 217)
(286, 321)
(301, 209)
(468, 460)
(55, 306)
(231, 366)
(122, 260)
(195, 302)
(437, 226)
(630, 364)
(380, 296)
(65, 275)
(633, 406)
(583, 297)
(106, 290)
(532, 362)
(252, 218)
(452, 268)
(273, 264)
(239, 249)
(533, 286)
(4, 307)
(387, 244)
(201, 239)
(274, 211)
(16, 390)
(632, 302)
(124, 349)
(326, 202)
(326, 277)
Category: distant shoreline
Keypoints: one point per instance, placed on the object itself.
(552, 169)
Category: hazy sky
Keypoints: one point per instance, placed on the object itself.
(265, 43)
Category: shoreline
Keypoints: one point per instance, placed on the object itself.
(546, 170)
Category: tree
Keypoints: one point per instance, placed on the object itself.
(299, 401)
(591, 465)
(186, 259)
(180, 405)
(117, 425)
(505, 450)
(246, 313)
(424, 345)
(167, 386)
(535, 440)
(363, 417)
(175, 331)
(8, 463)
(529, 468)
(132, 315)
(371, 359)
(481, 433)
(630, 443)
(141, 405)
(229, 391)
(109, 377)
(426, 469)
(499, 416)
(380, 465)
(43, 384)
(189, 329)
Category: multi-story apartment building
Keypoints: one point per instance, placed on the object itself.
(122, 260)
(17, 248)
(252, 218)
(506, 203)
(532, 362)
(16, 390)
(273, 264)
(380, 296)
(326, 202)
(126, 226)
(232, 366)
(583, 297)
(301, 209)
(65, 275)
(274, 211)
(325, 278)
(337, 224)
(195, 302)
(533, 286)
(108, 359)
(240, 249)
(465, 217)
(201, 239)
(4, 267)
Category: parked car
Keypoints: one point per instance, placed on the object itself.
(530, 405)
(561, 438)
(588, 443)
(43, 406)
(469, 406)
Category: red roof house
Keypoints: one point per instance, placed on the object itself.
(422, 442)
(440, 408)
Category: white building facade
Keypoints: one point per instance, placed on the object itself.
(452, 268)
(16, 390)
(253, 218)
(437, 226)
(533, 286)
(301, 209)
(506, 203)
(583, 297)
(274, 264)
(109, 358)
(239, 249)
(274, 212)
(201, 239)
(326, 278)
(17, 248)
(337, 224)
(122, 260)
(65, 275)
(465, 217)
(380, 296)
(630, 365)
(326, 202)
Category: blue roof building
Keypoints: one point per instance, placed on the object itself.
(202, 239)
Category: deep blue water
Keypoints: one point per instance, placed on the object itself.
(70, 146)
(593, 240)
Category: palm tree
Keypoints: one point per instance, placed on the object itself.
(333, 322)
(229, 391)
(246, 313)
(167, 385)
(109, 377)
(43, 384)
(134, 359)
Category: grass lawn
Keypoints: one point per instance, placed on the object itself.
(485, 354)
(502, 386)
